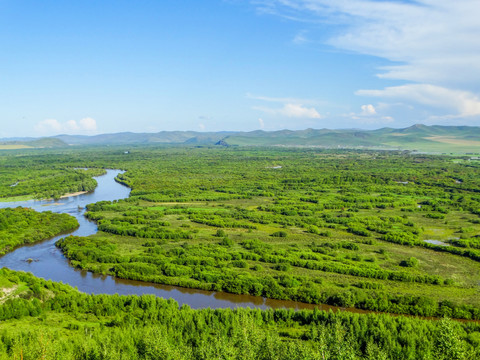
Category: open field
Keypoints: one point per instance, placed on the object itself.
(454, 141)
(14, 147)
(339, 227)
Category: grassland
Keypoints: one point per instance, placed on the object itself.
(343, 228)
(14, 146)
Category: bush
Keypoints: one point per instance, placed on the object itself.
(411, 262)
(226, 242)
(279, 234)
(220, 233)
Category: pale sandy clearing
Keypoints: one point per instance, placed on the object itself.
(453, 141)
(14, 146)
(73, 194)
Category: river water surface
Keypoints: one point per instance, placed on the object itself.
(49, 262)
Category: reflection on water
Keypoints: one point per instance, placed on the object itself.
(436, 242)
(49, 262)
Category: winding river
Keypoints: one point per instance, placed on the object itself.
(49, 262)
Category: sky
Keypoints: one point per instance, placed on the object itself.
(90, 67)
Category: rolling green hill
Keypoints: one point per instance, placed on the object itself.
(32, 144)
(417, 137)
(436, 139)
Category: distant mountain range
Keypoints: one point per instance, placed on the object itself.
(417, 137)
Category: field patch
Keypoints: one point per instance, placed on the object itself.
(453, 141)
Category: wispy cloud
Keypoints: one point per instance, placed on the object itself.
(292, 107)
(369, 116)
(261, 123)
(292, 111)
(462, 103)
(300, 38)
(54, 127)
(283, 99)
(434, 45)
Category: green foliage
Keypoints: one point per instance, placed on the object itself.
(227, 242)
(338, 209)
(410, 262)
(220, 233)
(20, 226)
(34, 177)
(56, 321)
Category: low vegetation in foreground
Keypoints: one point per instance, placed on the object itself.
(45, 320)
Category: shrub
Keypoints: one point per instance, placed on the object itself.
(411, 262)
(226, 242)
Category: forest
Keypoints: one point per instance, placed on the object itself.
(25, 179)
(21, 226)
(49, 320)
(391, 232)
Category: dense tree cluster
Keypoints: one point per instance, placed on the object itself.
(51, 320)
(315, 230)
(346, 228)
(20, 226)
(33, 177)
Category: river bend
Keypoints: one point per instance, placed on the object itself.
(49, 262)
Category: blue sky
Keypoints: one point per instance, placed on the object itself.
(89, 67)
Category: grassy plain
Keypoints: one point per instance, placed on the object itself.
(344, 228)
(340, 227)
(14, 147)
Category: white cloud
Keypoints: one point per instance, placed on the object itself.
(292, 107)
(434, 45)
(261, 123)
(369, 116)
(299, 111)
(459, 103)
(48, 126)
(368, 110)
(201, 126)
(88, 124)
(292, 111)
(428, 36)
(54, 127)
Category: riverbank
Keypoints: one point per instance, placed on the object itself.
(31, 197)
(73, 194)
(53, 320)
(17, 198)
